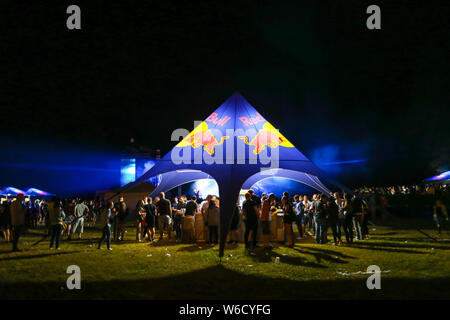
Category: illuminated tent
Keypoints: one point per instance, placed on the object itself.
(11, 191)
(443, 177)
(37, 192)
(236, 146)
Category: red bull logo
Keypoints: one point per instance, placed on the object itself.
(250, 121)
(214, 118)
(202, 136)
(267, 136)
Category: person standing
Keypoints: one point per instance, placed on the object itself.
(188, 225)
(107, 215)
(288, 220)
(140, 216)
(333, 217)
(150, 210)
(115, 223)
(308, 215)
(315, 198)
(250, 214)
(340, 203)
(440, 215)
(348, 218)
(213, 218)
(56, 217)
(179, 211)
(81, 211)
(320, 213)
(266, 218)
(234, 233)
(45, 217)
(203, 207)
(33, 213)
(122, 215)
(357, 209)
(5, 220)
(299, 215)
(18, 211)
(164, 211)
(365, 220)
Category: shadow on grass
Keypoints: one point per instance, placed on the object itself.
(329, 252)
(327, 255)
(197, 247)
(37, 256)
(384, 233)
(434, 245)
(377, 247)
(219, 282)
(265, 256)
(165, 243)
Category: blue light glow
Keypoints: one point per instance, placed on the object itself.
(277, 186)
(205, 187)
(127, 171)
(343, 162)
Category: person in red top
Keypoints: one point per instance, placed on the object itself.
(266, 217)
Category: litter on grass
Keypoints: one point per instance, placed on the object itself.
(358, 272)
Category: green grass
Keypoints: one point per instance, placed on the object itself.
(414, 267)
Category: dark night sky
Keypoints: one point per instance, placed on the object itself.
(312, 69)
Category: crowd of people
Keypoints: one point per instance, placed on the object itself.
(341, 215)
(422, 189)
(313, 217)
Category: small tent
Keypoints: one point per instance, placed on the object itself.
(442, 178)
(34, 192)
(11, 191)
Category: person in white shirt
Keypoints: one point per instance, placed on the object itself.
(81, 210)
(18, 210)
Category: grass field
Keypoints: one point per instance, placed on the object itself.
(413, 266)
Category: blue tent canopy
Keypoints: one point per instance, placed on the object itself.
(302, 177)
(11, 191)
(37, 192)
(442, 177)
(173, 179)
(233, 145)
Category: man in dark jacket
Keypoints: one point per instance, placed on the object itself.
(250, 214)
(357, 209)
(320, 211)
(332, 220)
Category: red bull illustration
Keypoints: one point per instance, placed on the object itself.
(202, 136)
(267, 136)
